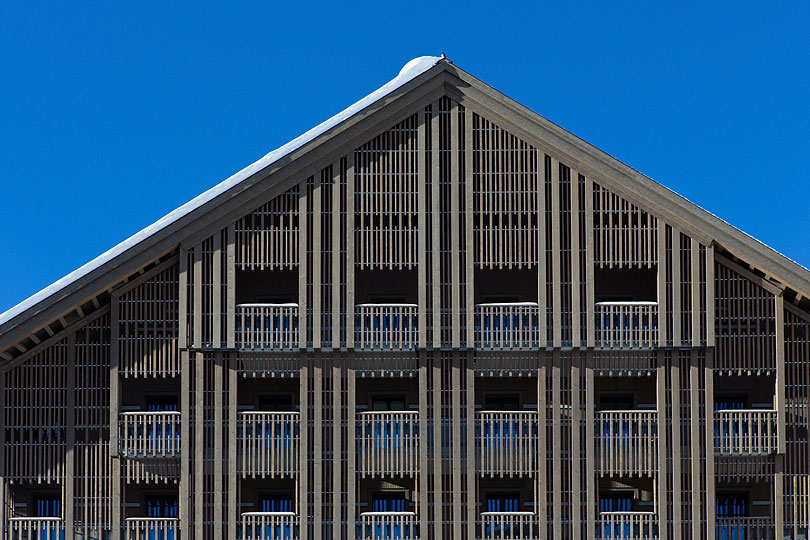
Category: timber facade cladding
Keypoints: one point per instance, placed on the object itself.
(450, 319)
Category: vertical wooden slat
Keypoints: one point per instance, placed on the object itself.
(350, 258)
(317, 444)
(337, 450)
(185, 435)
(198, 312)
(576, 309)
(317, 287)
(542, 457)
(576, 429)
(556, 429)
(590, 460)
(302, 266)
(199, 433)
(695, 279)
(663, 449)
(422, 477)
(219, 428)
(303, 448)
(469, 217)
(555, 254)
(421, 268)
(695, 450)
(435, 246)
(675, 377)
(455, 390)
(438, 496)
(710, 296)
(216, 287)
(662, 286)
(336, 255)
(709, 426)
(351, 416)
(677, 308)
(233, 491)
(454, 230)
(70, 432)
(472, 495)
(230, 292)
(589, 264)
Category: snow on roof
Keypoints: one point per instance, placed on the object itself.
(411, 70)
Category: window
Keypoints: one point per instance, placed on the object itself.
(388, 403)
(46, 506)
(389, 501)
(276, 502)
(616, 501)
(161, 506)
(267, 286)
(505, 285)
(161, 403)
(502, 402)
(615, 402)
(729, 401)
(389, 286)
(626, 284)
(502, 501)
(276, 403)
(731, 505)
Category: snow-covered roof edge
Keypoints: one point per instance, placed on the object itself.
(409, 71)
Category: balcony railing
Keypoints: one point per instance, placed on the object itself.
(507, 442)
(509, 525)
(267, 326)
(626, 325)
(627, 442)
(35, 528)
(269, 526)
(627, 526)
(147, 434)
(507, 326)
(388, 526)
(744, 528)
(386, 326)
(387, 443)
(268, 443)
(749, 432)
(149, 528)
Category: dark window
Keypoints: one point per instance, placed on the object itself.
(731, 505)
(626, 284)
(276, 402)
(502, 501)
(494, 285)
(729, 401)
(386, 286)
(616, 501)
(161, 403)
(266, 286)
(388, 403)
(276, 502)
(161, 506)
(615, 402)
(502, 402)
(389, 501)
(47, 506)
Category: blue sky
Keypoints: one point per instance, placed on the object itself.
(113, 115)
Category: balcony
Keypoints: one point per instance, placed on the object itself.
(745, 432)
(267, 444)
(506, 442)
(385, 326)
(35, 528)
(507, 326)
(269, 526)
(627, 442)
(627, 526)
(147, 434)
(626, 325)
(267, 326)
(511, 525)
(387, 443)
(744, 528)
(388, 526)
(150, 528)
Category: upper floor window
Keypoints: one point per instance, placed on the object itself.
(616, 402)
(388, 403)
(46, 506)
(502, 402)
(275, 403)
(161, 506)
(276, 502)
(505, 285)
(731, 505)
(386, 286)
(626, 284)
(389, 501)
(267, 286)
(616, 501)
(502, 501)
(161, 403)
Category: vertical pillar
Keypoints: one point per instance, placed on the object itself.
(576, 312)
(233, 489)
(542, 478)
(219, 431)
(556, 301)
(695, 453)
(337, 450)
(70, 439)
(435, 245)
(350, 251)
(303, 326)
(472, 498)
(576, 455)
(779, 401)
(589, 262)
(351, 416)
(455, 388)
(469, 223)
(542, 300)
(230, 291)
(421, 232)
(590, 451)
(675, 376)
(317, 448)
(455, 227)
(556, 430)
(115, 468)
(661, 477)
(316, 262)
(709, 424)
(199, 434)
(422, 478)
(185, 441)
(438, 498)
(303, 449)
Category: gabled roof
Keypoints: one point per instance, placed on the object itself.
(421, 77)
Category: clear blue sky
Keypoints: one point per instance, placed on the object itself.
(113, 116)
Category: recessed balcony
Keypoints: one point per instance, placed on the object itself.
(507, 325)
(627, 442)
(387, 443)
(36, 528)
(392, 327)
(267, 326)
(626, 325)
(511, 525)
(744, 528)
(627, 526)
(149, 434)
(269, 526)
(745, 432)
(506, 442)
(388, 526)
(268, 443)
(152, 528)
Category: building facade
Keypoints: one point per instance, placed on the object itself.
(437, 315)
